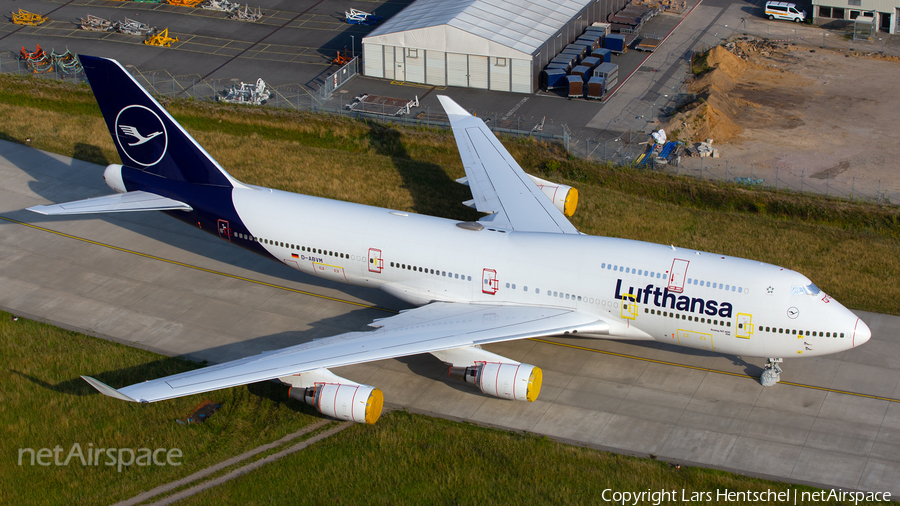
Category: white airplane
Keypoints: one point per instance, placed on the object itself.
(522, 271)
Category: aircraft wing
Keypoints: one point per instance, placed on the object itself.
(499, 185)
(434, 327)
(116, 203)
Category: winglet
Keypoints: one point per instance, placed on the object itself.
(107, 390)
(451, 107)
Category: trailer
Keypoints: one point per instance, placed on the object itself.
(591, 61)
(132, 27)
(609, 72)
(576, 86)
(615, 43)
(603, 54)
(649, 42)
(553, 78)
(385, 106)
(596, 88)
(246, 14)
(97, 24)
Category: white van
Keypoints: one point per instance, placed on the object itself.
(784, 10)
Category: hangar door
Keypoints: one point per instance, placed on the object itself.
(457, 70)
(389, 62)
(478, 72)
(434, 68)
(415, 65)
(521, 76)
(374, 58)
(499, 73)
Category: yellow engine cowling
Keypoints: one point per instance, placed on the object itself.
(564, 197)
(520, 382)
(356, 403)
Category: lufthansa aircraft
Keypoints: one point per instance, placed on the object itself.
(522, 271)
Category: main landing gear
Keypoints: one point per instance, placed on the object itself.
(772, 372)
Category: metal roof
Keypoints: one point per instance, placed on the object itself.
(522, 25)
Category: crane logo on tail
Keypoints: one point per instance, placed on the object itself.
(146, 148)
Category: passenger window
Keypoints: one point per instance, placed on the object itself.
(514, 286)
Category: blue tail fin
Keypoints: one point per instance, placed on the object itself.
(145, 135)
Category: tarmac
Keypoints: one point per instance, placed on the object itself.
(149, 281)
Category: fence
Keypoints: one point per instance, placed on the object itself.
(338, 79)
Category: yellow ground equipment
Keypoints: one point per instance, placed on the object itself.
(185, 3)
(24, 17)
(161, 39)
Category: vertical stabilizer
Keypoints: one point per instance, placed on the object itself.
(145, 135)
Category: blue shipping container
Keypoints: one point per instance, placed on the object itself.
(604, 54)
(615, 42)
(554, 78)
(591, 62)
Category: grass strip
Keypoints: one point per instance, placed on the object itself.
(414, 459)
(252, 466)
(199, 475)
(45, 404)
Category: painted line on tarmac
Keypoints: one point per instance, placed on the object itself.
(195, 267)
(717, 371)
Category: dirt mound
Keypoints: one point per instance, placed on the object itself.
(741, 88)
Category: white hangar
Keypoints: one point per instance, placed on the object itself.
(498, 45)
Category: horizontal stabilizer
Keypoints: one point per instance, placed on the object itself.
(107, 390)
(117, 203)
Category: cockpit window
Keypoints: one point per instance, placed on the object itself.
(809, 289)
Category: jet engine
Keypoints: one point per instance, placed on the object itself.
(357, 403)
(564, 197)
(113, 177)
(520, 382)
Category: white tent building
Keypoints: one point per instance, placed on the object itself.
(489, 44)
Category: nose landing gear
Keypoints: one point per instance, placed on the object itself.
(772, 372)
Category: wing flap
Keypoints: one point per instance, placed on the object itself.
(437, 326)
(117, 203)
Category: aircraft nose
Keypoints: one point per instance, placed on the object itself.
(862, 333)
